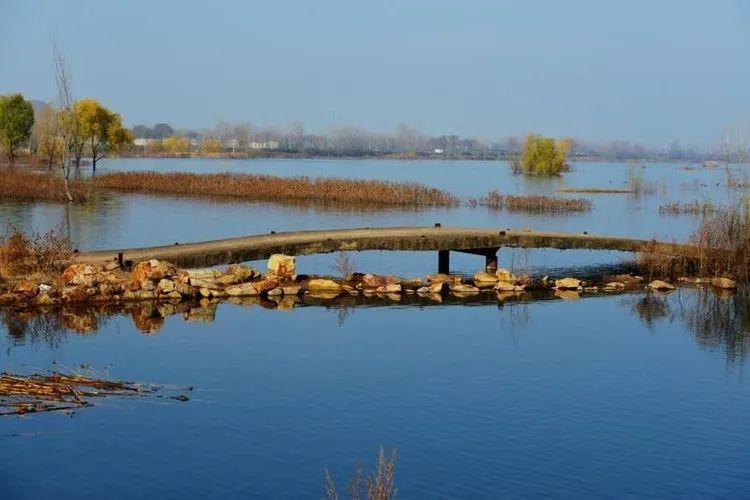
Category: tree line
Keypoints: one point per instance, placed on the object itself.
(93, 131)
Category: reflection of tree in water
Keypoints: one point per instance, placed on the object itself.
(716, 318)
(719, 319)
(33, 326)
(650, 308)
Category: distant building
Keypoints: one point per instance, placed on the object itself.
(265, 145)
(143, 142)
(439, 151)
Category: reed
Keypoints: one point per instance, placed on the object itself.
(271, 188)
(594, 190)
(33, 185)
(689, 208)
(533, 203)
(377, 486)
(722, 247)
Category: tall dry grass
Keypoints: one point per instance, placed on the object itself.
(721, 247)
(533, 203)
(26, 255)
(723, 242)
(378, 486)
(271, 188)
(24, 184)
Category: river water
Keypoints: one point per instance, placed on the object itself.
(630, 395)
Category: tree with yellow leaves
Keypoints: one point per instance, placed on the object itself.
(101, 129)
(177, 144)
(543, 156)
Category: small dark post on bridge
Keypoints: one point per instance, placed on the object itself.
(444, 261)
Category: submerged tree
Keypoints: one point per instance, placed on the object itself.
(543, 156)
(16, 120)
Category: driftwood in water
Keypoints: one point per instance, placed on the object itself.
(21, 394)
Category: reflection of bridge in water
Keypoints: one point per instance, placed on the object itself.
(483, 242)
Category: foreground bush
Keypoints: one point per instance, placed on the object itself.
(271, 188)
(24, 184)
(542, 156)
(23, 255)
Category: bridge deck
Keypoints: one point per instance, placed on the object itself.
(257, 247)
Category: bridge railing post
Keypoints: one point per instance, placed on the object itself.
(444, 261)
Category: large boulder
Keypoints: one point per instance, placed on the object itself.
(504, 286)
(463, 288)
(505, 275)
(283, 266)
(485, 280)
(243, 290)
(79, 275)
(266, 284)
(568, 284)
(153, 270)
(26, 288)
(724, 283)
(390, 288)
(377, 281)
(660, 285)
(323, 285)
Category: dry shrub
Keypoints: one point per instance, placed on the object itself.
(271, 188)
(723, 242)
(47, 254)
(534, 203)
(20, 184)
(379, 486)
(344, 264)
(721, 247)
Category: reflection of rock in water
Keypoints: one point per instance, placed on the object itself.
(80, 320)
(148, 318)
(204, 312)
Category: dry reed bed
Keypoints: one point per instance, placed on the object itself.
(23, 184)
(690, 208)
(595, 190)
(271, 188)
(722, 247)
(533, 203)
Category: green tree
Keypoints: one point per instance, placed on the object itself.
(543, 156)
(101, 129)
(16, 120)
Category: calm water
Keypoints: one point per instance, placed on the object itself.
(634, 395)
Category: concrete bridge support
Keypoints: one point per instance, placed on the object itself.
(490, 259)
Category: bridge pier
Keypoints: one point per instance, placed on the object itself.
(444, 262)
(490, 259)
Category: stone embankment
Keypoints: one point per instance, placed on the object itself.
(160, 281)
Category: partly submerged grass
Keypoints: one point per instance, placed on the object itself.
(721, 247)
(533, 203)
(689, 208)
(274, 189)
(25, 184)
(593, 190)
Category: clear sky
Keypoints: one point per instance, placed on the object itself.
(641, 70)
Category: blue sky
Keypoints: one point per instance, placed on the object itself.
(647, 71)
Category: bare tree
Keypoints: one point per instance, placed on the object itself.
(66, 125)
